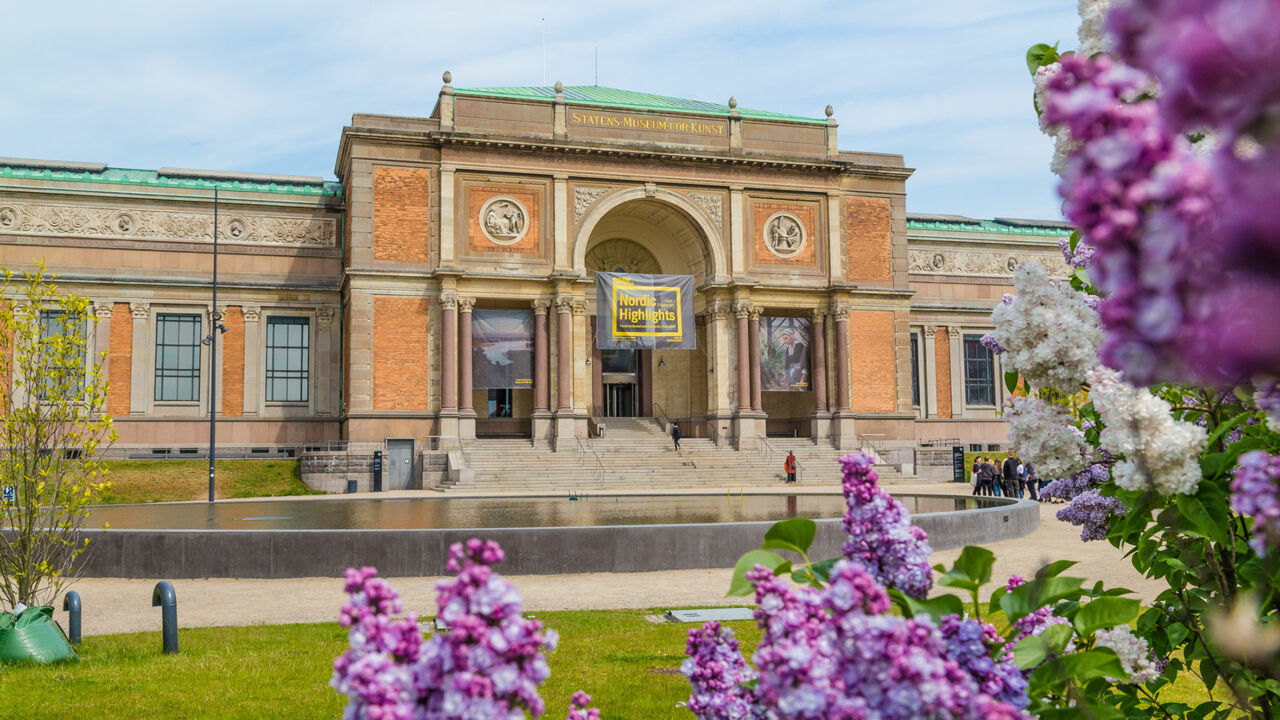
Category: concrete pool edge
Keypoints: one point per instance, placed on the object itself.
(183, 554)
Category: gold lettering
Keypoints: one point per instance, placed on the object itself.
(647, 123)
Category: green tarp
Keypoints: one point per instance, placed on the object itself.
(33, 636)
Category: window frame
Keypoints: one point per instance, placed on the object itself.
(156, 358)
(966, 341)
(916, 353)
(286, 318)
(87, 350)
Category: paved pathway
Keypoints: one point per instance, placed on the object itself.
(116, 605)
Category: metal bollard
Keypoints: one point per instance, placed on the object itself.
(71, 603)
(164, 598)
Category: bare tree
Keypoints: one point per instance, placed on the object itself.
(54, 429)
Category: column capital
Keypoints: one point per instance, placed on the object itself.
(839, 313)
(930, 331)
(141, 311)
(717, 310)
(756, 311)
(466, 304)
(742, 309)
(449, 301)
(541, 305)
(819, 314)
(953, 332)
(564, 304)
(579, 306)
(324, 314)
(103, 310)
(252, 313)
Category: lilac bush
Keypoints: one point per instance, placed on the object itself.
(1255, 492)
(1067, 488)
(1092, 512)
(972, 645)
(881, 536)
(717, 672)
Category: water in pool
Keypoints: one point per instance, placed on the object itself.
(425, 513)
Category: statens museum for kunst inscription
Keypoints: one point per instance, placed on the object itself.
(650, 124)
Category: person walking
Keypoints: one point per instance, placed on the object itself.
(1022, 479)
(1010, 472)
(977, 468)
(789, 465)
(985, 475)
(676, 434)
(1032, 482)
(997, 480)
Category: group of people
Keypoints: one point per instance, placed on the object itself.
(1012, 478)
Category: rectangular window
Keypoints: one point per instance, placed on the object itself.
(915, 369)
(979, 372)
(177, 358)
(500, 402)
(56, 323)
(288, 359)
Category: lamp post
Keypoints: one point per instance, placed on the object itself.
(216, 328)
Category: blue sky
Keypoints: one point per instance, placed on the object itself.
(267, 86)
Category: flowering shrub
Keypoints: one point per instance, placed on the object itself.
(881, 536)
(1049, 333)
(489, 664)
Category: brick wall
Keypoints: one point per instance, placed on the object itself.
(400, 340)
(868, 238)
(401, 214)
(233, 363)
(120, 360)
(942, 365)
(478, 195)
(762, 211)
(873, 372)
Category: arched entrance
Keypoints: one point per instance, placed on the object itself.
(634, 232)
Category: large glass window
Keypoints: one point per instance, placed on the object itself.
(177, 358)
(288, 359)
(500, 402)
(915, 369)
(979, 372)
(57, 323)
(618, 361)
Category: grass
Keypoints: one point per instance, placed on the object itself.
(629, 665)
(144, 481)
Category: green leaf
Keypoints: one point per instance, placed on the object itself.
(1054, 568)
(935, 607)
(1041, 54)
(1026, 599)
(1057, 636)
(1210, 518)
(1011, 380)
(794, 534)
(1090, 664)
(1030, 652)
(1226, 426)
(1106, 612)
(975, 562)
(998, 593)
(1209, 673)
(740, 585)
(822, 568)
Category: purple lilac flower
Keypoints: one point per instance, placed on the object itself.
(990, 342)
(1093, 513)
(971, 644)
(1081, 258)
(716, 671)
(375, 673)
(1141, 199)
(1267, 398)
(1255, 491)
(578, 709)
(1068, 488)
(1034, 623)
(881, 536)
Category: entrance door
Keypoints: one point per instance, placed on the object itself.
(399, 467)
(620, 400)
(621, 382)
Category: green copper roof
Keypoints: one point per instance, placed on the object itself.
(999, 226)
(127, 176)
(630, 99)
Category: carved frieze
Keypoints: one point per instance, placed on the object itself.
(504, 220)
(784, 234)
(53, 219)
(711, 202)
(984, 263)
(584, 198)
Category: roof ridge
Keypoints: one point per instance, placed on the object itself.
(606, 96)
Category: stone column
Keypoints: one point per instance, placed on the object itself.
(719, 378)
(141, 359)
(541, 376)
(466, 401)
(252, 351)
(753, 337)
(446, 215)
(324, 359)
(818, 359)
(929, 378)
(841, 316)
(564, 354)
(742, 311)
(957, 372)
(101, 335)
(449, 354)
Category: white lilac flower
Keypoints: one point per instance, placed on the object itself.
(1092, 35)
(1134, 653)
(1159, 452)
(1050, 334)
(1045, 435)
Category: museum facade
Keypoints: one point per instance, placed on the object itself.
(443, 289)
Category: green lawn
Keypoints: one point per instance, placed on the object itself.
(141, 481)
(629, 665)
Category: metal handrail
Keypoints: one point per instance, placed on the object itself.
(659, 414)
(769, 455)
(583, 449)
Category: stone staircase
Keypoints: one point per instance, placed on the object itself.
(635, 454)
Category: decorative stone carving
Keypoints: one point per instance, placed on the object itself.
(564, 305)
(584, 198)
(756, 312)
(839, 313)
(466, 304)
(819, 314)
(103, 310)
(953, 332)
(104, 221)
(784, 234)
(990, 263)
(579, 306)
(503, 220)
(717, 310)
(650, 190)
(324, 314)
(541, 305)
(931, 331)
(742, 309)
(252, 313)
(140, 311)
(713, 203)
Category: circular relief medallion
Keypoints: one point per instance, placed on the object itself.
(236, 228)
(123, 223)
(1011, 264)
(784, 234)
(504, 220)
(8, 216)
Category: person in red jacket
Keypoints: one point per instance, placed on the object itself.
(790, 467)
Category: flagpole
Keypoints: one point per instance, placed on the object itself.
(214, 328)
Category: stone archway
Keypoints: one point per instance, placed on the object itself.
(707, 230)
